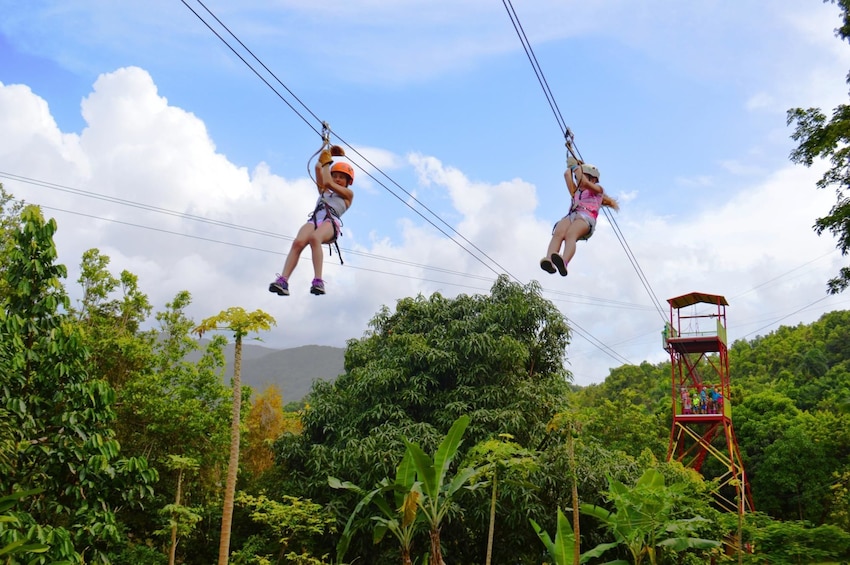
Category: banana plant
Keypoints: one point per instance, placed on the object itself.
(643, 519)
(561, 548)
(435, 487)
(399, 520)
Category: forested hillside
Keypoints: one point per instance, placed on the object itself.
(292, 371)
(791, 398)
(453, 434)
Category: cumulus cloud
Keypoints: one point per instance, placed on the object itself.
(151, 191)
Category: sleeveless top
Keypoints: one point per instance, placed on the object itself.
(587, 201)
(334, 201)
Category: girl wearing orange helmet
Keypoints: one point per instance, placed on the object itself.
(333, 181)
(587, 197)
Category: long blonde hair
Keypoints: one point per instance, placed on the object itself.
(610, 202)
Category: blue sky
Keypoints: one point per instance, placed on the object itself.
(681, 105)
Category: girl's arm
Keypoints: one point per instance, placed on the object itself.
(585, 182)
(322, 172)
(571, 184)
(597, 188)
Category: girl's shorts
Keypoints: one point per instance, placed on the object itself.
(578, 215)
(322, 217)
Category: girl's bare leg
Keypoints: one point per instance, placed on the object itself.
(558, 235)
(575, 230)
(324, 234)
(301, 241)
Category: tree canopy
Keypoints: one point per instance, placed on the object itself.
(822, 138)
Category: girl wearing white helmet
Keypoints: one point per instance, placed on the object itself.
(587, 197)
(335, 196)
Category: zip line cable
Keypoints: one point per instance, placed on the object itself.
(603, 302)
(633, 260)
(489, 264)
(260, 76)
(253, 248)
(568, 135)
(787, 316)
(489, 260)
(532, 58)
(575, 298)
(578, 298)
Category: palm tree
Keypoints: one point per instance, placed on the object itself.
(241, 324)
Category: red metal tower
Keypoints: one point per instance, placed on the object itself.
(702, 428)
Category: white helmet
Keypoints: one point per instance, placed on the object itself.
(590, 170)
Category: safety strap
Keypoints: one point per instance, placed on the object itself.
(329, 211)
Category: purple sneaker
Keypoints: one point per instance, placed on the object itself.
(280, 286)
(317, 287)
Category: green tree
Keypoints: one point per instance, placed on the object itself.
(292, 524)
(178, 405)
(624, 424)
(118, 350)
(181, 519)
(241, 323)
(792, 542)
(61, 416)
(822, 139)
(799, 467)
(500, 460)
(10, 210)
(497, 358)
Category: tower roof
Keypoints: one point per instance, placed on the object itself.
(695, 297)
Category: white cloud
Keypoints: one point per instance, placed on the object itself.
(138, 147)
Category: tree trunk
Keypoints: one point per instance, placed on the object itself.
(436, 552)
(574, 481)
(233, 464)
(172, 554)
(492, 522)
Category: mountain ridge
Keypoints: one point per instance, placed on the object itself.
(292, 370)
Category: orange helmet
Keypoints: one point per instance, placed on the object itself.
(344, 168)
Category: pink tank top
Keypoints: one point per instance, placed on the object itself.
(587, 201)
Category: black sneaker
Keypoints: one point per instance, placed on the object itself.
(559, 262)
(547, 266)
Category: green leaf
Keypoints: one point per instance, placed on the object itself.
(448, 447)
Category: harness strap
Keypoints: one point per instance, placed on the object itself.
(329, 212)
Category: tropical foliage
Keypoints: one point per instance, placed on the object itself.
(820, 138)
(453, 423)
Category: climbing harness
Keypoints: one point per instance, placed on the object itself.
(336, 222)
